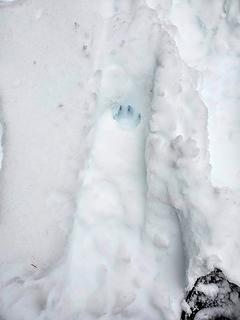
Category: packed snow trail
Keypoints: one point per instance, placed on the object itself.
(106, 238)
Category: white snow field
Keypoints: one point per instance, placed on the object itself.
(120, 155)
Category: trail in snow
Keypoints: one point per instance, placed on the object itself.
(105, 245)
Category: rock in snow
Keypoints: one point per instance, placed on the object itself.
(224, 303)
(120, 159)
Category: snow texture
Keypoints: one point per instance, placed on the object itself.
(120, 161)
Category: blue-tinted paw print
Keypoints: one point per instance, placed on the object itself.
(127, 116)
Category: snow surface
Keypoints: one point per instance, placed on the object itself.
(210, 290)
(102, 222)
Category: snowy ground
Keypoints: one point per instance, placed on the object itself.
(120, 164)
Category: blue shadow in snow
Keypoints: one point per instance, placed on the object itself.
(127, 116)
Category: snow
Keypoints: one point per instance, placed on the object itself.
(47, 115)
(127, 116)
(7, 1)
(213, 313)
(185, 307)
(214, 52)
(210, 290)
(120, 170)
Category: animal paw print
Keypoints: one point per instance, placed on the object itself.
(127, 116)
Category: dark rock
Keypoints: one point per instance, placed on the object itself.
(213, 297)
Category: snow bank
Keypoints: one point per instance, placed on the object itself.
(210, 290)
(213, 52)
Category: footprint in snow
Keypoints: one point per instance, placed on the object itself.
(127, 116)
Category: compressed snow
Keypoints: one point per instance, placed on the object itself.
(127, 116)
